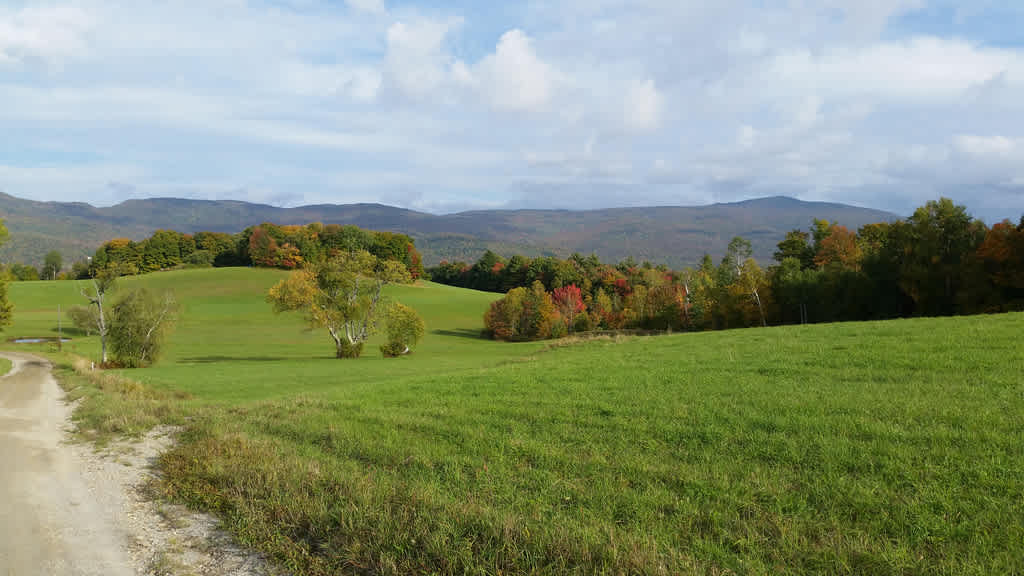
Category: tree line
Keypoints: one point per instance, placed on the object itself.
(266, 245)
(939, 261)
(52, 269)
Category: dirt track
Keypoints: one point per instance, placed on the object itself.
(51, 522)
(68, 510)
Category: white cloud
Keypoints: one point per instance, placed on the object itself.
(921, 69)
(416, 56)
(989, 146)
(746, 137)
(516, 78)
(643, 106)
(462, 74)
(95, 183)
(360, 84)
(49, 33)
(370, 6)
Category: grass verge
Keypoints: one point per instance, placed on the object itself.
(110, 405)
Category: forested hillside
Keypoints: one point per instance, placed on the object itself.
(939, 262)
(676, 236)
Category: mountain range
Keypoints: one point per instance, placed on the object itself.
(673, 235)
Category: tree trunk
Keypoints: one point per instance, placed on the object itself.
(764, 322)
(102, 324)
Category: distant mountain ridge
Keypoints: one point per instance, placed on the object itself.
(674, 235)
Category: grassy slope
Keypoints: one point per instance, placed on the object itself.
(883, 448)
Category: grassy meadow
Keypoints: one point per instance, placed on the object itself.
(862, 448)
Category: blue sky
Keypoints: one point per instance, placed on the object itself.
(466, 104)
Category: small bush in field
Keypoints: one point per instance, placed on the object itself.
(404, 329)
(138, 324)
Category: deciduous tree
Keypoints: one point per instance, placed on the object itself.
(102, 283)
(139, 323)
(341, 294)
(6, 308)
(52, 264)
(569, 302)
(263, 248)
(404, 328)
(839, 248)
(796, 246)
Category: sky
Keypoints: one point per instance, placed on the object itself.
(447, 106)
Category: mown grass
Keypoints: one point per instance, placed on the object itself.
(5, 366)
(870, 448)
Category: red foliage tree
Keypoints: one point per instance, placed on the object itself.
(569, 301)
(839, 247)
(262, 248)
(1003, 255)
(415, 262)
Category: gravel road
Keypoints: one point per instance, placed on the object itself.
(67, 510)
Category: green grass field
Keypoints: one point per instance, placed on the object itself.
(866, 448)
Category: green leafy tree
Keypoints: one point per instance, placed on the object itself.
(139, 323)
(795, 290)
(796, 246)
(200, 259)
(944, 237)
(121, 253)
(404, 328)
(52, 264)
(79, 270)
(23, 272)
(739, 250)
(753, 281)
(162, 250)
(6, 308)
(820, 229)
(342, 295)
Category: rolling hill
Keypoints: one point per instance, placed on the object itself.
(675, 235)
(849, 448)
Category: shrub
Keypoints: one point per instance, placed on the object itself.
(345, 349)
(83, 318)
(200, 259)
(404, 329)
(138, 324)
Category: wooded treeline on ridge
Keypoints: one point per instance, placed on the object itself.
(938, 262)
(267, 245)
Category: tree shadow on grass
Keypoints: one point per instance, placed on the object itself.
(255, 359)
(460, 333)
(218, 359)
(72, 331)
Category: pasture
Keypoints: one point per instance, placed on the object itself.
(862, 448)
